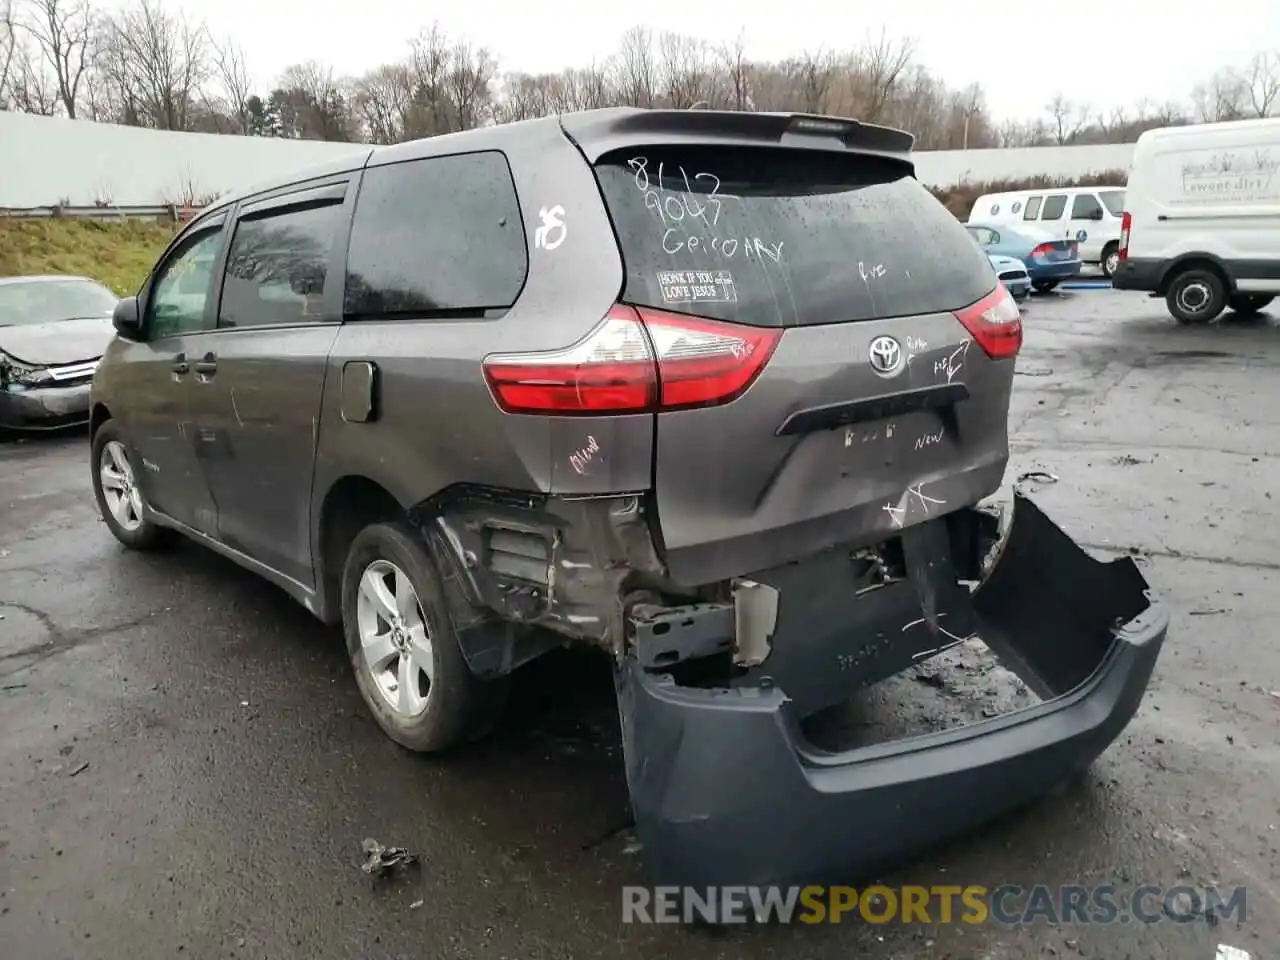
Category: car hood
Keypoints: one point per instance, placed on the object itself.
(52, 344)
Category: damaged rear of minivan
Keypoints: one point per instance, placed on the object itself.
(820, 361)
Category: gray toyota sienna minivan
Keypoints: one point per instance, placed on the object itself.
(719, 394)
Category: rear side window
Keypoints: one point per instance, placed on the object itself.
(438, 237)
(1086, 206)
(1114, 199)
(1033, 208)
(784, 237)
(277, 267)
(1053, 207)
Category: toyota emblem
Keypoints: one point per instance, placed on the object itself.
(886, 356)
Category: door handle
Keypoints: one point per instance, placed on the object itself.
(207, 365)
(180, 365)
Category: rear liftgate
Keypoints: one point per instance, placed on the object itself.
(726, 790)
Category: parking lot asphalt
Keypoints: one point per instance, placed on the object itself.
(186, 768)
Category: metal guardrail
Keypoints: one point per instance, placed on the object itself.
(173, 212)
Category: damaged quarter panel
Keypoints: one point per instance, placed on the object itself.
(464, 294)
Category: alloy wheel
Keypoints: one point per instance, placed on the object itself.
(119, 486)
(395, 639)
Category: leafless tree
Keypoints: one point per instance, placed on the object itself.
(687, 76)
(8, 48)
(1109, 123)
(737, 74)
(637, 71)
(64, 33)
(312, 103)
(159, 62)
(1168, 113)
(32, 88)
(467, 81)
(429, 62)
(1262, 81)
(1067, 119)
(381, 100)
(879, 66)
(1224, 96)
(591, 87)
(233, 86)
(150, 67)
(813, 77)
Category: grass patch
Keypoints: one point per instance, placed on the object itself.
(117, 253)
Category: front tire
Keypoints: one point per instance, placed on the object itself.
(115, 487)
(404, 652)
(1196, 296)
(1247, 304)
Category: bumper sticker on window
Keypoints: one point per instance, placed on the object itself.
(697, 286)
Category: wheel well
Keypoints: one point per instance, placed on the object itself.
(1194, 263)
(98, 417)
(351, 504)
(1110, 245)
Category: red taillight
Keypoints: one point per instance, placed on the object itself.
(1042, 251)
(995, 323)
(1126, 221)
(635, 360)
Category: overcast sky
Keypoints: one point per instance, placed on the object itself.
(1106, 54)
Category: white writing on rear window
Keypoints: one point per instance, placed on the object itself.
(690, 224)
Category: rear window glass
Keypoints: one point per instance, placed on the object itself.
(783, 237)
(1113, 200)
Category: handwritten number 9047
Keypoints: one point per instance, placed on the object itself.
(675, 207)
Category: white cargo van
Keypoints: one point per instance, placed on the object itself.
(1202, 218)
(1088, 215)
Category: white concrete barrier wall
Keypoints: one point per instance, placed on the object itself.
(47, 160)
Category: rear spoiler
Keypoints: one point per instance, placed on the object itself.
(597, 132)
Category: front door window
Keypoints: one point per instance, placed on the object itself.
(181, 291)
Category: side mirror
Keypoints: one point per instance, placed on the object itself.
(127, 319)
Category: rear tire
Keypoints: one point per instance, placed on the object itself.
(119, 497)
(1110, 260)
(1044, 286)
(1247, 304)
(399, 635)
(1196, 296)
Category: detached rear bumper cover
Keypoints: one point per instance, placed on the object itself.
(726, 791)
